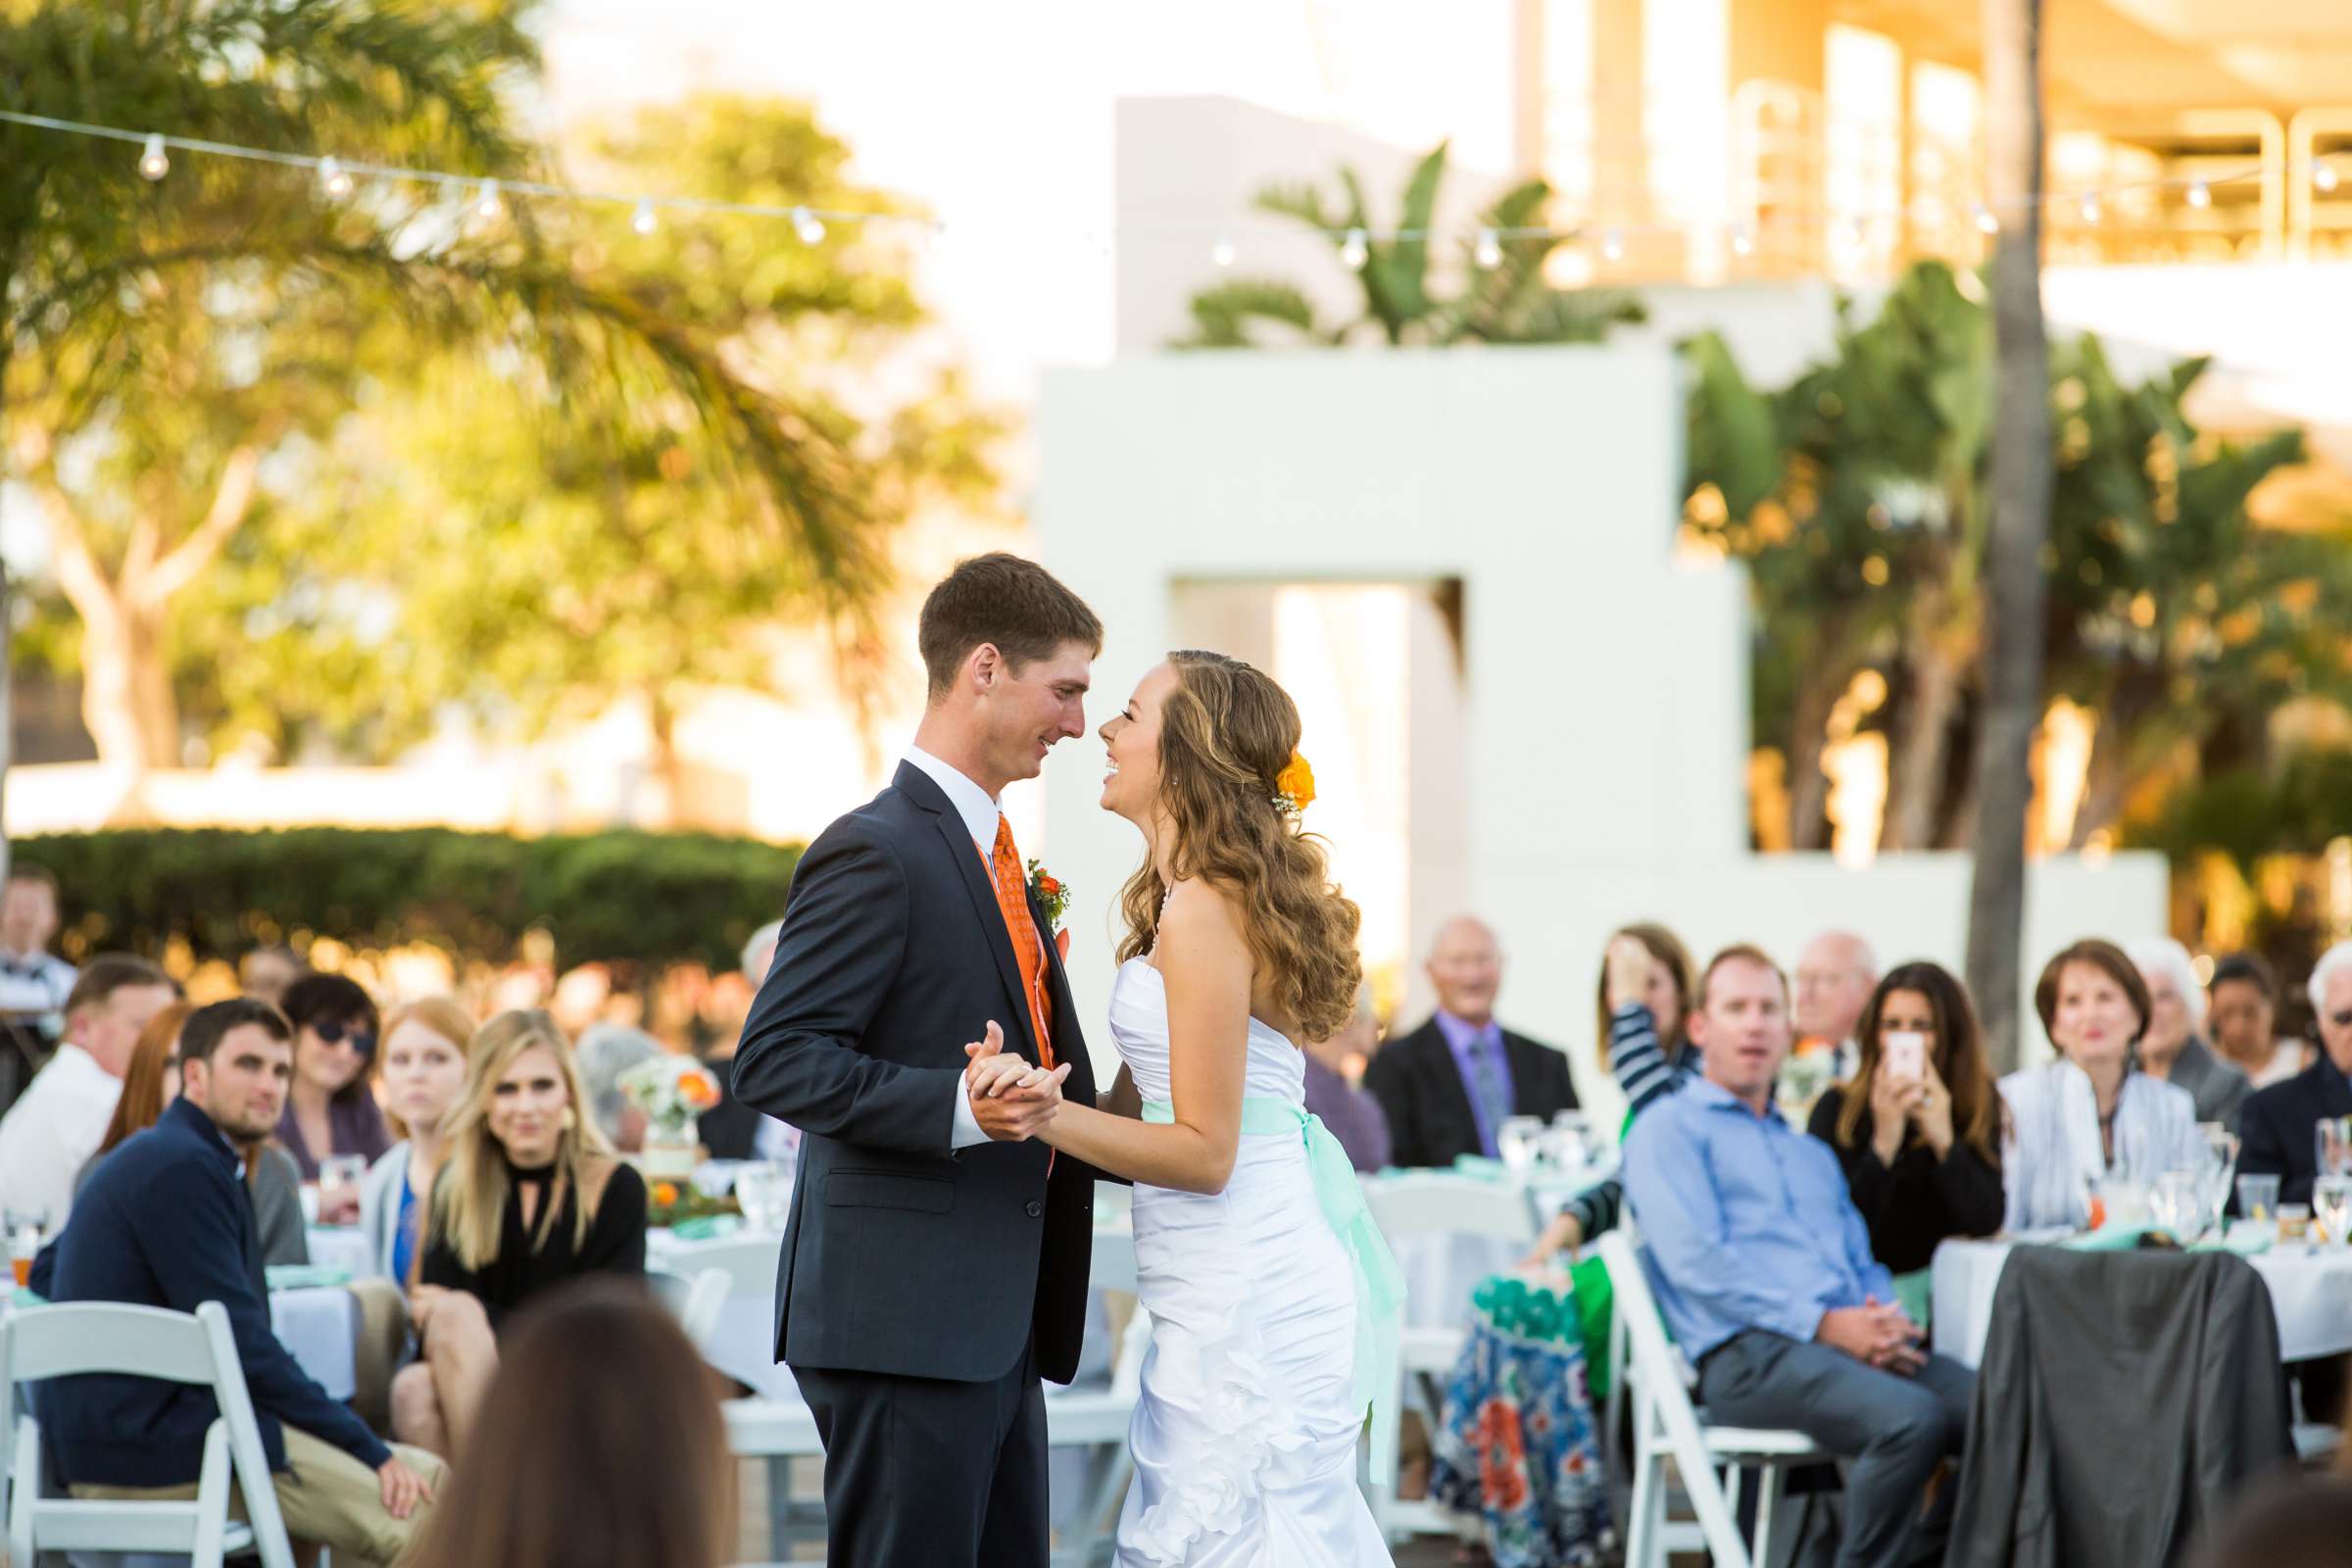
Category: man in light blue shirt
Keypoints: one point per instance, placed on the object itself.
(1762, 1268)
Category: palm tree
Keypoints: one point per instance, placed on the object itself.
(1504, 297)
(104, 275)
(2020, 520)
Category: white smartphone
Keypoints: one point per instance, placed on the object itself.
(1906, 1058)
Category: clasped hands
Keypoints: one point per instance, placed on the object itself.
(1012, 1097)
(1877, 1333)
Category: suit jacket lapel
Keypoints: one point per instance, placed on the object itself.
(912, 782)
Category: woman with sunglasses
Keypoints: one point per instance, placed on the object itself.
(329, 1106)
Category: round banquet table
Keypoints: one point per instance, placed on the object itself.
(2311, 1290)
(343, 1247)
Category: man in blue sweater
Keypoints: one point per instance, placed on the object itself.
(165, 1221)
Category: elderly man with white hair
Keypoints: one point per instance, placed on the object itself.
(2174, 1050)
(2279, 1123)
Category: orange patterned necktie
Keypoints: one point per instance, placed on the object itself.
(1013, 901)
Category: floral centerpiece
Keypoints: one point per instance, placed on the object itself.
(672, 1091)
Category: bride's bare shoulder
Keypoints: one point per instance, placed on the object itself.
(1200, 911)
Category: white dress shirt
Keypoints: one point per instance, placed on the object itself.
(51, 1132)
(980, 813)
(34, 984)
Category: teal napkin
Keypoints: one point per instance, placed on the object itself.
(707, 1227)
(1485, 1168)
(305, 1276)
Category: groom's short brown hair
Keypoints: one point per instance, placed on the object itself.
(1016, 604)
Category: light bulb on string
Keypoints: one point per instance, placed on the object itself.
(488, 204)
(2200, 194)
(2092, 213)
(1612, 246)
(1355, 251)
(1489, 252)
(642, 219)
(154, 161)
(808, 225)
(1222, 253)
(333, 178)
(1850, 232)
(2324, 178)
(1986, 222)
(1744, 240)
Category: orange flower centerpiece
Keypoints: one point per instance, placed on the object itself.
(1295, 788)
(672, 1091)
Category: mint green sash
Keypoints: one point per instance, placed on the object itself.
(1379, 1283)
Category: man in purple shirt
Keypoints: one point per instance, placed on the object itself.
(1447, 1087)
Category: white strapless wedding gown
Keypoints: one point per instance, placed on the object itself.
(1244, 1436)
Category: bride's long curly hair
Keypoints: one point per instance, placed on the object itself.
(1226, 733)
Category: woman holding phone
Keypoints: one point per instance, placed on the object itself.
(1918, 1127)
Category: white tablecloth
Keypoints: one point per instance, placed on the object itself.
(343, 1247)
(2311, 1290)
(320, 1326)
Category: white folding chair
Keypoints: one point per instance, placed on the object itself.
(1097, 1420)
(694, 1302)
(1406, 1206)
(82, 1338)
(1667, 1426)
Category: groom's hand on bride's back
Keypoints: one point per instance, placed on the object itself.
(1011, 1098)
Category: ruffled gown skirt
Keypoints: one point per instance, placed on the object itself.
(1243, 1436)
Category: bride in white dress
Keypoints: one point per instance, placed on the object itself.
(1273, 1301)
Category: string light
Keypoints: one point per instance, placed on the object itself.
(2092, 211)
(154, 161)
(1355, 251)
(487, 203)
(1612, 246)
(642, 219)
(808, 225)
(2200, 195)
(1851, 233)
(1986, 222)
(2323, 175)
(1744, 240)
(1222, 253)
(333, 178)
(1488, 254)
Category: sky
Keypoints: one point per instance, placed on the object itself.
(998, 115)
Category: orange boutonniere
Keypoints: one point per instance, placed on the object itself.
(1295, 789)
(1053, 894)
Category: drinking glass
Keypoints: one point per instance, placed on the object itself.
(2257, 1196)
(2178, 1205)
(340, 1177)
(24, 1228)
(2331, 1145)
(2331, 1206)
(1517, 1141)
(763, 1188)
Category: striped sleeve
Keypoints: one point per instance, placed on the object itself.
(1636, 1059)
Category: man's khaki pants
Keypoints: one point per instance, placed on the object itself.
(325, 1496)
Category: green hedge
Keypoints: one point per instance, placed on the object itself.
(618, 897)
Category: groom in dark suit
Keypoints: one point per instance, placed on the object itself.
(934, 1264)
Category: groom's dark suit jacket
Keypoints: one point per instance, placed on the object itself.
(902, 1256)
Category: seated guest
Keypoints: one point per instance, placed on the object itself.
(2090, 1114)
(1645, 1000)
(2281, 1123)
(594, 1472)
(423, 1070)
(1835, 974)
(606, 1053)
(166, 1223)
(1334, 1069)
(330, 1109)
(1447, 1087)
(2173, 1049)
(529, 1196)
(1918, 1127)
(34, 983)
(57, 1124)
(2244, 1018)
(267, 972)
(270, 1179)
(1763, 1272)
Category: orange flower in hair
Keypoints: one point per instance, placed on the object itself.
(1295, 789)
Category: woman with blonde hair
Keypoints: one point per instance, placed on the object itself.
(529, 1195)
(1273, 1300)
(421, 1071)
